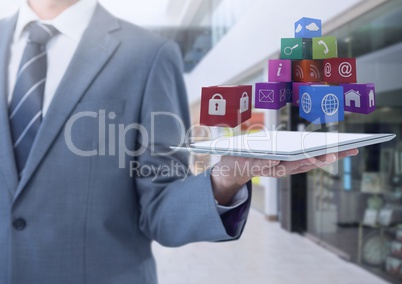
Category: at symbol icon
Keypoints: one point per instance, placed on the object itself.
(328, 70)
(345, 69)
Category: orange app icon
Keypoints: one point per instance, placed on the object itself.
(307, 71)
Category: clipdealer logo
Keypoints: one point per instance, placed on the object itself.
(106, 124)
(107, 144)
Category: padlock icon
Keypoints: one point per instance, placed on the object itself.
(244, 102)
(217, 106)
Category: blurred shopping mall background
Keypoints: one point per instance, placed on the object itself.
(316, 228)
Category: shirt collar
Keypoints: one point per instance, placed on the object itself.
(72, 22)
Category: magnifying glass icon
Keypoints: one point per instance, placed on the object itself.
(288, 50)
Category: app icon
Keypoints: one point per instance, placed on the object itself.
(217, 105)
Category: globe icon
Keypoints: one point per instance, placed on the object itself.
(306, 103)
(330, 104)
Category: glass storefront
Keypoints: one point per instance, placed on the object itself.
(358, 211)
(212, 21)
(226, 15)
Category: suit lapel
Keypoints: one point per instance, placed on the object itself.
(94, 51)
(7, 160)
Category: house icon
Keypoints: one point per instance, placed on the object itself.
(353, 96)
(371, 99)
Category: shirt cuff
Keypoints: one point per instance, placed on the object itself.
(239, 199)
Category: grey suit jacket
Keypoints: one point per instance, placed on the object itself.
(84, 219)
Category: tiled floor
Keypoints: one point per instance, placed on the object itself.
(265, 254)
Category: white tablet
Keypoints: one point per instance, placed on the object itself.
(286, 145)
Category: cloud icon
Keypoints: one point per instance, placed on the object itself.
(299, 28)
(313, 27)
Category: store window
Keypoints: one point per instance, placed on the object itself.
(226, 15)
(358, 211)
(213, 20)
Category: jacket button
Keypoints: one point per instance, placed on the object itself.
(19, 224)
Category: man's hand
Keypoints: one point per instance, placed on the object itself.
(232, 173)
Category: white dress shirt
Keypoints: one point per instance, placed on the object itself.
(71, 25)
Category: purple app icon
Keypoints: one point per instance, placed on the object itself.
(270, 95)
(289, 92)
(280, 70)
(359, 98)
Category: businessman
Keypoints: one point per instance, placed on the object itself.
(78, 85)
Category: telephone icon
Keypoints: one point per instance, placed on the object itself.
(321, 42)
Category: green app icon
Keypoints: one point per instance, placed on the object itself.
(307, 48)
(325, 47)
(291, 48)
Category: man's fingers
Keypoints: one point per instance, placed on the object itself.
(318, 161)
(330, 158)
(348, 153)
(303, 169)
(322, 161)
(274, 163)
(295, 167)
(264, 163)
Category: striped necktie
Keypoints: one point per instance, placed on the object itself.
(26, 104)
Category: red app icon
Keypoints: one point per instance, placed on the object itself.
(227, 106)
(340, 70)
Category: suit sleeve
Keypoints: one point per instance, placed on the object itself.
(176, 207)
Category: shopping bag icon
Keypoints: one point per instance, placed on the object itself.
(244, 102)
(217, 105)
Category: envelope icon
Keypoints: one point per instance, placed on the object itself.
(266, 96)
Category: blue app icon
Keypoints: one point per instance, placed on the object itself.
(321, 104)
